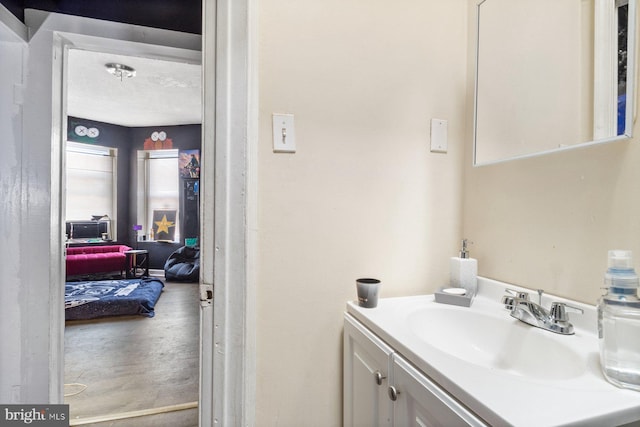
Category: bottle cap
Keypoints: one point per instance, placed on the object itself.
(620, 259)
(621, 273)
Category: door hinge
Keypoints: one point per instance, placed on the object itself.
(206, 294)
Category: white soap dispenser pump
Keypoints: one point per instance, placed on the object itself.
(463, 271)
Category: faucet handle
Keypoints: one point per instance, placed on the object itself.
(558, 311)
(509, 302)
(512, 300)
(518, 294)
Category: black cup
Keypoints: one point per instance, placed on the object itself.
(368, 290)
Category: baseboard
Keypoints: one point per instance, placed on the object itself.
(132, 414)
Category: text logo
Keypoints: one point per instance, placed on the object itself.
(34, 415)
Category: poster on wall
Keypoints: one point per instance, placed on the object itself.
(189, 163)
(158, 141)
(164, 225)
(82, 131)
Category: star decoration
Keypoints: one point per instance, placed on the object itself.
(163, 225)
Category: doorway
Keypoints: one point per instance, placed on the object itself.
(227, 389)
(132, 366)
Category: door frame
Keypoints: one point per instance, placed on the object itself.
(229, 222)
(229, 219)
(104, 36)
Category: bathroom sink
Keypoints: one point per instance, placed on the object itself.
(492, 362)
(497, 341)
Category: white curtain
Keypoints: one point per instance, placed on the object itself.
(90, 183)
(163, 188)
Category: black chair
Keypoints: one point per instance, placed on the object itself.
(183, 265)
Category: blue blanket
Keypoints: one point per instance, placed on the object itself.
(100, 298)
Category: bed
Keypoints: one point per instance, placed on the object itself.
(102, 298)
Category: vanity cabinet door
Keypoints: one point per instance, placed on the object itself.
(421, 402)
(366, 372)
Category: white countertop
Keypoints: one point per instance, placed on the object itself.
(505, 398)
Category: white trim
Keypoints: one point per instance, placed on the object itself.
(98, 150)
(632, 50)
(250, 332)
(57, 218)
(476, 71)
(207, 195)
(16, 30)
(555, 150)
(605, 58)
(114, 36)
(228, 154)
(133, 414)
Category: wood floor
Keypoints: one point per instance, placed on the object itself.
(133, 363)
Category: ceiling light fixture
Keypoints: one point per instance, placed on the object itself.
(120, 70)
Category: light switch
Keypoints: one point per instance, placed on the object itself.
(438, 136)
(284, 134)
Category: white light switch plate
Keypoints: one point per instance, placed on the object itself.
(438, 136)
(284, 134)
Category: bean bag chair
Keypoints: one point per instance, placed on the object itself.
(183, 265)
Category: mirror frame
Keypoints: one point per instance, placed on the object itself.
(630, 91)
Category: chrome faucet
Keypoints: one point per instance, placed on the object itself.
(554, 320)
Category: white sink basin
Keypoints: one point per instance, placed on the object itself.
(495, 364)
(497, 341)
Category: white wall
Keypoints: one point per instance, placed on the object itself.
(548, 222)
(362, 196)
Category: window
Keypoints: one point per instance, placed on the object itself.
(91, 183)
(158, 187)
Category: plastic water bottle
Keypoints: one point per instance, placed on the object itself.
(619, 322)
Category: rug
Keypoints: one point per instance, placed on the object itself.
(103, 298)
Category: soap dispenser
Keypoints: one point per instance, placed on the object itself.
(463, 271)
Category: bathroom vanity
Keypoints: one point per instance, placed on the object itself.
(413, 361)
(383, 389)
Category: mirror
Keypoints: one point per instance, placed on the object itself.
(555, 75)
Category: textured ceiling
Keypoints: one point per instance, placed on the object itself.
(162, 93)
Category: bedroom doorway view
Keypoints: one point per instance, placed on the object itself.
(132, 223)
